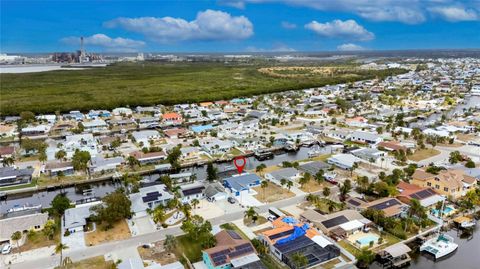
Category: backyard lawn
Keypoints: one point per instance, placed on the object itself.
(191, 248)
(91, 263)
(119, 231)
(423, 154)
(313, 186)
(272, 193)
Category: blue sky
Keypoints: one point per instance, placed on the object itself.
(238, 25)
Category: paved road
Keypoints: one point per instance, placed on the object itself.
(76, 255)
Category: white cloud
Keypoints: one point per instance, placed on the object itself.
(275, 48)
(288, 25)
(455, 13)
(106, 42)
(348, 29)
(208, 25)
(349, 47)
(406, 11)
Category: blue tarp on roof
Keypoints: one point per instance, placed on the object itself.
(201, 128)
(297, 232)
(289, 220)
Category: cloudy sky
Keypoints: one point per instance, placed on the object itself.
(238, 25)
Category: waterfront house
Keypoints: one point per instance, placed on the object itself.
(149, 158)
(391, 207)
(99, 164)
(450, 183)
(215, 192)
(288, 173)
(22, 221)
(344, 161)
(331, 222)
(149, 198)
(241, 183)
(192, 191)
(426, 196)
(75, 219)
(365, 137)
(13, 176)
(290, 236)
(56, 168)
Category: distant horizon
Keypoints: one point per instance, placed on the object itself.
(259, 52)
(238, 25)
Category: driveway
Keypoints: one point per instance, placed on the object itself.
(141, 225)
(75, 241)
(246, 199)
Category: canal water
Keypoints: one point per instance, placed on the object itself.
(100, 189)
(467, 255)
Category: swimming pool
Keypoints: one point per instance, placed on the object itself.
(365, 241)
(447, 210)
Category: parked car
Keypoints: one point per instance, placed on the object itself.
(6, 249)
(231, 200)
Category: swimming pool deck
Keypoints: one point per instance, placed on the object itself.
(352, 239)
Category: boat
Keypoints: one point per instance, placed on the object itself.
(262, 155)
(441, 244)
(464, 222)
(17, 208)
(314, 152)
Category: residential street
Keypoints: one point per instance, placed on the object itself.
(103, 249)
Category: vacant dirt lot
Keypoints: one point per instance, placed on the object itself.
(118, 232)
(423, 154)
(272, 193)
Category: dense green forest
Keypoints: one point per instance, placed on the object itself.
(131, 84)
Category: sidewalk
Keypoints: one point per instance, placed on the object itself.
(28, 255)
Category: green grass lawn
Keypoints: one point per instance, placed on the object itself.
(147, 83)
(191, 248)
(21, 186)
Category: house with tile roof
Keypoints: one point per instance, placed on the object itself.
(231, 251)
(290, 236)
(391, 207)
(426, 196)
(450, 183)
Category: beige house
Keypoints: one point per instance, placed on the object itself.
(21, 223)
(451, 183)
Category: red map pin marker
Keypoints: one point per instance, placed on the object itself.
(241, 165)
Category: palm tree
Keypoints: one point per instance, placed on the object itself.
(60, 155)
(158, 214)
(326, 191)
(16, 236)
(289, 184)
(7, 161)
(305, 179)
(260, 168)
(186, 208)
(299, 260)
(331, 205)
(195, 202)
(264, 185)
(170, 243)
(59, 249)
(132, 161)
(319, 177)
(354, 166)
(251, 214)
(283, 182)
(345, 189)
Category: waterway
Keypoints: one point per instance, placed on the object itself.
(467, 255)
(102, 188)
(469, 102)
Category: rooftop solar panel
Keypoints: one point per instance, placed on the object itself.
(153, 193)
(353, 202)
(233, 234)
(282, 234)
(386, 204)
(193, 191)
(150, 198)
(334, 222)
